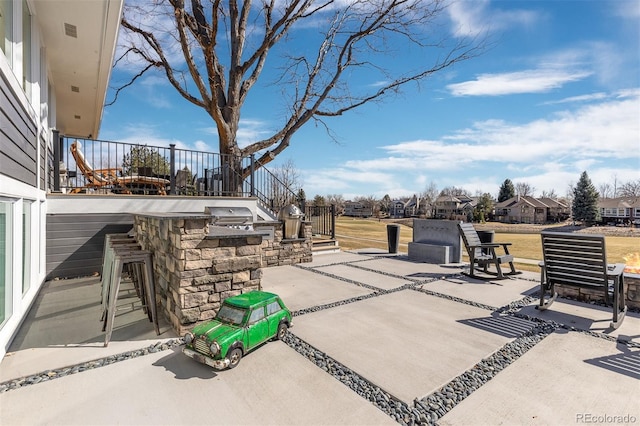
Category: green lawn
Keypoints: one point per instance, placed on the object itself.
(353, 233)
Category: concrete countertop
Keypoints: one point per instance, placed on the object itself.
(174, 215)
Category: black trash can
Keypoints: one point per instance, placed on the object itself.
(393, 237)
(486, 237)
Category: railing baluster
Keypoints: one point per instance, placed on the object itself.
(172, 169)
(207, 168)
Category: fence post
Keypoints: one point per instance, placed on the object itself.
(253, 171)
(57, 150)
(333, 221)
(172, 169)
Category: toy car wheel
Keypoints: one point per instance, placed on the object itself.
(235, 355)
(282, 330)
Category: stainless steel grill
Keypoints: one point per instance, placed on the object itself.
(231, 217)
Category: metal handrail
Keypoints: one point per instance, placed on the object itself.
(137, 169)
(188, 172)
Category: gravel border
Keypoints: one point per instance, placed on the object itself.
(424, 411)
(48, 375)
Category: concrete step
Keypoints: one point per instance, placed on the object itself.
(325, 247)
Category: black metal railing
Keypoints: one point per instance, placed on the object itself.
(323, 219)
(124, 167)
(97, 166)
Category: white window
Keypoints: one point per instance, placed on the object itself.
(6, 259)
(6, 27)
(27, 216)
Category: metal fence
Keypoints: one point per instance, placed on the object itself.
(323, 219)
(87, 165)
(97, 166)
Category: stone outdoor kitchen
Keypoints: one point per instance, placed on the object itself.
(197, 264)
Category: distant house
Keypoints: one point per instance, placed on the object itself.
(401, 208)
(357, 209)
(521, 210)
(426, 208)
(396, 209)
(454, 207)
(557, 211)
(622, 210)
(412, 207)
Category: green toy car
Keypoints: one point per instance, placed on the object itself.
(242, 323)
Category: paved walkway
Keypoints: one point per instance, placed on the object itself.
(377, 339)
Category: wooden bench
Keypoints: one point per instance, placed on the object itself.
(576, 260)
(484, 254)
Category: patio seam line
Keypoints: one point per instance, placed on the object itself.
(511, 309)
(433, 406)
(53, 373)
(381, 292)
(373, 393)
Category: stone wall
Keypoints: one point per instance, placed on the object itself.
(277, 251)
(632, 292)
(195, 270)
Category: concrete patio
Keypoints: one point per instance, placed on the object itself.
(377, 339)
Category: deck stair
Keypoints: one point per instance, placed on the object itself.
(324, 246)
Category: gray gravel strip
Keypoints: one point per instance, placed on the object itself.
(89, 365)
(425, 411)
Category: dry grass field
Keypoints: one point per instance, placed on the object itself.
(354, 233)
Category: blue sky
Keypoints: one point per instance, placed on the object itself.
(558, 93)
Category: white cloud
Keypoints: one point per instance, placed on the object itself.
(471, 18)
(627, 9)
(581, 98)
(547, 153)
(342, 179)
(530, 81)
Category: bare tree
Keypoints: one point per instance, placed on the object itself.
(550, 194)
(337, 200)
(371, 202)
(430, 193)
(454, 191)
(214, 52)
(630, 189)
(288, 177)
(524, 189)
(605, 190)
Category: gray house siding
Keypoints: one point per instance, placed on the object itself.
(75, 241)
(17, 138)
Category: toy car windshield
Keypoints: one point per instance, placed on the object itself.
(231, 315)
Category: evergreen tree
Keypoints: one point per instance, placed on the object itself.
(507, 190)
(301, 197)
(145, 157)
(585, 200)
(483, 208)
(319, 200)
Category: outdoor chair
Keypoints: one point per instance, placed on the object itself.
(580, 261)
(111, 178)
(484, 254)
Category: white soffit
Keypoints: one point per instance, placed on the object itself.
(80, 38)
